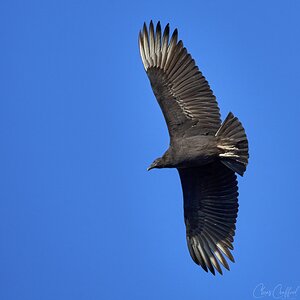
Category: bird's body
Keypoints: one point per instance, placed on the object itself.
(206, 152)
(192, 151)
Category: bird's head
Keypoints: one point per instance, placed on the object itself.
(158, 163)
(162, 162)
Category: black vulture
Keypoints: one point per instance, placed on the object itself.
(206, 152)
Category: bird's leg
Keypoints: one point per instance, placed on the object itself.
(227, 148)
(229, 151)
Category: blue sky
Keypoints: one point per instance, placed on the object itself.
(80, 217)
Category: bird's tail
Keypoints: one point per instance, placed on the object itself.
(233, 144)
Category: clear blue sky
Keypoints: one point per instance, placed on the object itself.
(80, 217)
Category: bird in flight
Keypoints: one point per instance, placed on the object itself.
(206, 152)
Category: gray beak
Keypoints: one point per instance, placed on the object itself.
(152, 166)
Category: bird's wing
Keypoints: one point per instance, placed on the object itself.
(181, 90)
(210, 211)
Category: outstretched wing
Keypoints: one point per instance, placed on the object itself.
(181, 90)
(210, 211)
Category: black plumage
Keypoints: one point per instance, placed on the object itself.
(205, 152)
